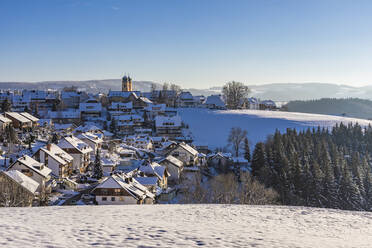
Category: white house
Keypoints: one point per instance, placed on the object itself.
(4, 122)
(78, 149)
(185, 153)
(215, 102)
(32, 168)
(92, 140)
(174, 166)
(157, 170)
(56, 159)
(119, 189)
(19, 188)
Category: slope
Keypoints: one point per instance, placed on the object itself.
(212, 127)
(184, 226)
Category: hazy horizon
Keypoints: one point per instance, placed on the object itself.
(196, 44)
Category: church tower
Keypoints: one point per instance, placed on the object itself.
(126, 84)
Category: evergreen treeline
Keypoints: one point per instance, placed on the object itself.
(351, 107)
(317, 167)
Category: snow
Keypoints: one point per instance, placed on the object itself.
(213, 127)
(27, 182)
(184, 226)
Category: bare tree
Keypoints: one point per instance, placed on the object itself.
(236, 139)
(12, 194)
(234, 93)
(225, 189)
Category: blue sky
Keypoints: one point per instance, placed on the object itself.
(194, 43)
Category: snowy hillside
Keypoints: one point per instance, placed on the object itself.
(212, 127)
(184, 226)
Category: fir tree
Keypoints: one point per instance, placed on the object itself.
(349, 196)
(97, 167)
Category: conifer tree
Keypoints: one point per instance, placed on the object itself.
(349, 196)
(97, 169)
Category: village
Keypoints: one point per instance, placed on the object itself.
(127, 147)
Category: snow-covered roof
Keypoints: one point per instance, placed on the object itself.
(74, 142)
(186, 95)
(215, 100)
(25, 181)
(33, 165)
(147, 181)
(3, 119)
(165, 121)
(132, 186)
(188, 148)
(18, 117)
(173, 160)
(92, 137)
(29, 116)
(57, 154)
(153, 169)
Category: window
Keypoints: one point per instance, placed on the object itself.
(112, 198)
(117, 190)
(104, 198)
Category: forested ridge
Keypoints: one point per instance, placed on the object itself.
(351, 107)
(318, 167)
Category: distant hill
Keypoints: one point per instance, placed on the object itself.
(276, 92)
(92, 86)
(351, 107)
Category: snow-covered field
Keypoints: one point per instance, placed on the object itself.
(212, 127)
(183, 226)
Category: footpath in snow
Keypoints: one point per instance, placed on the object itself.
(212, 127)
(183, 226)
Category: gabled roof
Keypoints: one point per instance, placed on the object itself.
(23, 180)
(57, 154)
(33, 165)
(133, 187)
(154, 169)
(89, 136)
(186, 95)
(18, 117)
(188, 148)
(147, 181)
(3, 119)
(73, 142)
(215, 100)
(175, 161)
(29, 116)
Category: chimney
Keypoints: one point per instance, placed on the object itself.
(49, 146)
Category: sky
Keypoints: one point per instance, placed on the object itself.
(193, 43)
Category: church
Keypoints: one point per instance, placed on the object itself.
(126, 94)
(126, 84)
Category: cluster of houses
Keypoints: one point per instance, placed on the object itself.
(137, 139)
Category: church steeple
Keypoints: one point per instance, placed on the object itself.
(126, 84)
